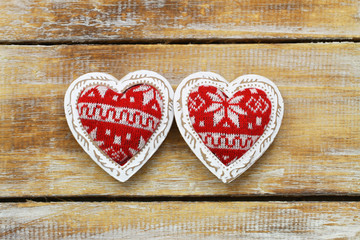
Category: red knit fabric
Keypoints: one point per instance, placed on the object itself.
(120, 123)
(229, 126)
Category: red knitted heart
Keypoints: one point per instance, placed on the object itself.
(120, 123)
(229, 126)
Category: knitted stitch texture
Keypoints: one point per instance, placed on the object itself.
(229, 126)
(120, 123)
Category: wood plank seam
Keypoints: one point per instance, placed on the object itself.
(194, 41)
(212, 198)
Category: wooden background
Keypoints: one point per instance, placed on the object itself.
(306, 186)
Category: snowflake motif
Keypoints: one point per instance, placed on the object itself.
(196, 103)
(257, 105)
(224, 108)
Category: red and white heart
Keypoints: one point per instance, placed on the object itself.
(120, 124)
(228, 125)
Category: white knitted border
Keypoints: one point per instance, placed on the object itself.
(121, 173)
(235, 169)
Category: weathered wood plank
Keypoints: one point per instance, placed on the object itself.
(179, 220)
(316, 152)
(36, 20)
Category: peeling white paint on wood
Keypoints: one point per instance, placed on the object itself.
(101, 20)
(179, 220)
(317, 151)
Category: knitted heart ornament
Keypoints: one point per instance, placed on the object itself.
(120, 124)
(228, 125)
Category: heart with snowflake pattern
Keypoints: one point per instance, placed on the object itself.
(228, 125)
(120, 123)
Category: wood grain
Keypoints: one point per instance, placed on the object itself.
(167, 20)
(180, 220)
(317, 150)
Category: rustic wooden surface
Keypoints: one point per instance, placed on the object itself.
(316, 151)
(194, 220)
(312, 170)
(114, 20)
